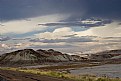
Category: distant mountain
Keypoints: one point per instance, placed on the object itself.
(30, 56)
(110, 54)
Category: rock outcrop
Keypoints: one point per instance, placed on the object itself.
(30, 56)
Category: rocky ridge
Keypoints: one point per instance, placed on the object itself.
(30, 56)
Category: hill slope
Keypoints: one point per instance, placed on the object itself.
(29, 56)
(110, 54)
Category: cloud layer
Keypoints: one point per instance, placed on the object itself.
(65, 25)
(29, 25)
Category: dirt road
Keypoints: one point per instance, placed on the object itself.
(21, 76)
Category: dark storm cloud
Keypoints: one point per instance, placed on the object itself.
(19, 9)
(105, 8)
(79, 23)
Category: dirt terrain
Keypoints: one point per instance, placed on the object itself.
(21, 76)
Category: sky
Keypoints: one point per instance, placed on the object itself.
(70, 26)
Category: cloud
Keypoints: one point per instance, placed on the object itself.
(50, 45)
(30, 25)
(30, 8)
(91, 40)
(58, 33)
(75, 25)
(21, 45)
(68, 40)
(109, 30)
(109, 39)
(90, 22)
(38, 45)
(5, 46)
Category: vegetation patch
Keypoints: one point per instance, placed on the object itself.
(63, 75)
